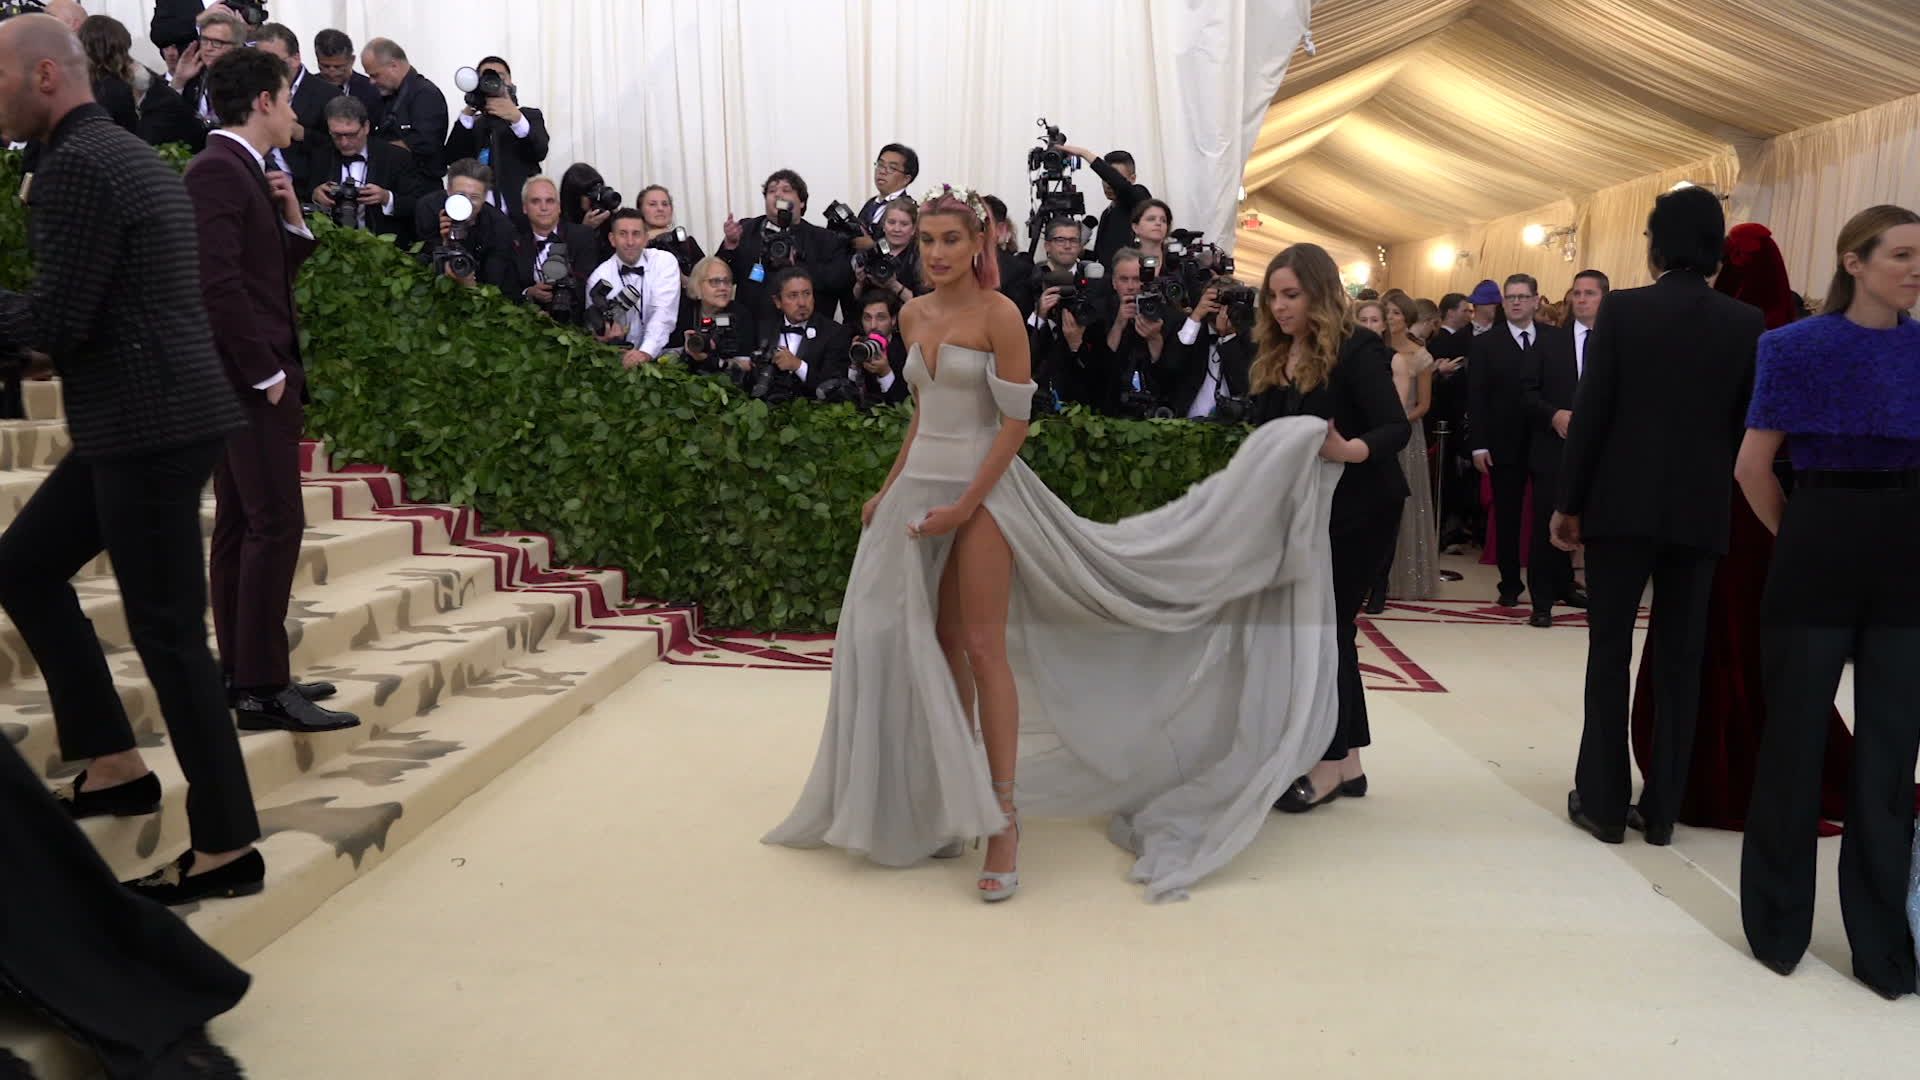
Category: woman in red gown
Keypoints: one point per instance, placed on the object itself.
(1732, 703)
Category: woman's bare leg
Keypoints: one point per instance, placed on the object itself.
(985, 584)
(947, 629)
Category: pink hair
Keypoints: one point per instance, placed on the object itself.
(986, 269)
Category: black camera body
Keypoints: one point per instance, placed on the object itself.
(677, 243)
(557, 271)
(1077, 293)
(603, 198)
(346, 203)
(718, 337)
(608, 305)
(880, 264)
(779, 247)
(766, 382)
(842, 219)
(251, 12)
(1054, 196)
(1143, 405)
(491, 86)
(453, 257)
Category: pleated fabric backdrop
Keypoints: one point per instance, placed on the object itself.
(709, 96)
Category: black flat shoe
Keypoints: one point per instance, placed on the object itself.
(131, 799)
(1606, 834)
(195, 1057)
(1355, 788)
(172, 885)
(289, 710)
(1541, 619)
(1377, 605)
(1575, 599)
(1778, 967)
(1509, 600)
(1657, 835)
(1299, 798)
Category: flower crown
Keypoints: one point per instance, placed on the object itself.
(966, 195)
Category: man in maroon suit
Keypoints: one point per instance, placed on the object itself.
(252, 242)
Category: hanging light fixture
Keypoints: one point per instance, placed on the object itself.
(1443, 257)
(1359, 273)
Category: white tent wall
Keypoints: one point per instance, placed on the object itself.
(709, 96)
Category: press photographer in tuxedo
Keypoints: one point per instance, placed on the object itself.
(1070, 356)
(1116, 172)
(810, 347)
(894, 169)
(333, 57)
(1141, 362)
(390, 187)
(414, 112)
(505, 136)
(253, 241)
(309, 96)
(761, 246)
(654, 277)
(882, 377)
(1213, 360)
(489, 235)
(534, 241)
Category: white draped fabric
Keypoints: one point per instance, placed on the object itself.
(709, 96)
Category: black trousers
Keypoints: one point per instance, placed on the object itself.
(1358, 549)
(1549, 570)
(122, 974)
(1617, 574)
(1842, 585)
(1509, 499)
(257, 528)
(145, 513)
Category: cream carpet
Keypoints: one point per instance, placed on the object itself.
(604, 909)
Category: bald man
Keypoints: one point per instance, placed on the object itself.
(70, 12)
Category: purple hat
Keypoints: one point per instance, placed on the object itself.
(1487, 292)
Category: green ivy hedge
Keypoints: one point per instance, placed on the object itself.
(698, 492)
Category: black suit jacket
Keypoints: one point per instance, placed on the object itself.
(1190, 364)
(248, 261)
(309, 107)
(1660, 414)
(825, 353)
(1496, 394)
(581, 247)
(1552, 376)
(1360, 398)
(825, 254)
(165, 117)
(390, 167)
(747, 333)
(1017, 277)
(194, 134)
(1116, 221)
(1449, 391)
(489, 239)
(416, 114)
(116, 301)
(514, 160)
(1085, 376)
(319, 139)
(115, 96)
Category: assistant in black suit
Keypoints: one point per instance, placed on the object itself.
(116, 305)
(1646, 484)
(415, 110)
(333, 57)
(1116, 172)
(1360, 398)
(1552, 376)
(350, 150)
(510, 139)
(1497, 431)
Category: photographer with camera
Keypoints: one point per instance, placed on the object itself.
(716, 333)
(477, 249)
(1069, 326)
(1137, 340)
(890, 266)
(801, 348)
(218, 32)
(585, 199)
(656, 209)
(761, 246)
(415, 112)
(1214, 355)
(1065, 282)
(497, 131)
(635, 296)
(551, 257)
(894, 168)
(362, 184)
(1116, 172)
(879, 358)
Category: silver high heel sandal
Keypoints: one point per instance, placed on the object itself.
(1008, 882)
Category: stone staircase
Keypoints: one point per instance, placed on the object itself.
(460, 651)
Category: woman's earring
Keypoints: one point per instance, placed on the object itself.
(976, 260)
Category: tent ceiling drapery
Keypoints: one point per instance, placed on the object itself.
(1422, 117)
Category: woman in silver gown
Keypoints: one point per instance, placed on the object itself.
(1174, 670)
(1413, 574)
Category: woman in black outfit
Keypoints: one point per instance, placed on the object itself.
(579, 179)
(138, 99)
(1313, 361)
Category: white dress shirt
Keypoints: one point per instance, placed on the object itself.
(1580, 336)
(854, 371)
(1203, 401)
(650, 324)
(521, 129)
(301, 230)
(880, 208)
(1532, 332)
(280, 159)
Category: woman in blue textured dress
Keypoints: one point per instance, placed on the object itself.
(1842, 391)
(1174, 670)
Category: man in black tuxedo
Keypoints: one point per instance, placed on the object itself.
(252, 242)
(1646, 486)
(1496, 410)
(1213, 360)
(509, 138)
(149, 411)
(541, 234)
(1143, 359)
(810, 347)
(750, 247)
(390, 187)
(415, 112)
(1552, 374)
(309, 96)
(894, 168)
(221, 32)
(489, 235)
(1449, 345)
(883, 378)
(333, 58)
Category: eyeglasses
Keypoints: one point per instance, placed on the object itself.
(720, 283)
(888, 167)
(225, 43)
(1063, 239)
(1519, 296)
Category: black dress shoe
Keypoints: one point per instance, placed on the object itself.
(1300, 798)
(1778, 967)
(1355, 788)
(173, 885)
(1606, 834)
(312, 691)
(1541, 619)
(1575, 599)
(1376, 604)
(288, 710)
(1657, 835)
(195, 1057)
(1509, 599)
(131, 799)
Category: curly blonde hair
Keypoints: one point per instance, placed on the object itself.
(1329, 321)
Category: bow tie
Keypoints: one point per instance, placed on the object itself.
(632, 271)
(353, 159)
(789, 328)
(543, 241)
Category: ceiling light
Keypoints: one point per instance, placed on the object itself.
(1359, 273)
(1442, 257)
(1533, 235)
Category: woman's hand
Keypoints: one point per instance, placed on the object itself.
(939, 521)
(1339, 448)
(595, 218)
(866, 512)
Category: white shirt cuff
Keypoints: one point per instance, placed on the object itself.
(1223, 340)
(523, 128)
(886, 382)
(387, 207)
(278, 378)
(466, 121)
(299, 230)
(1190, 333)
(1481, 453)
(801, 371)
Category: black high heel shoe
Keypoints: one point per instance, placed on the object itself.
(1300, 797)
